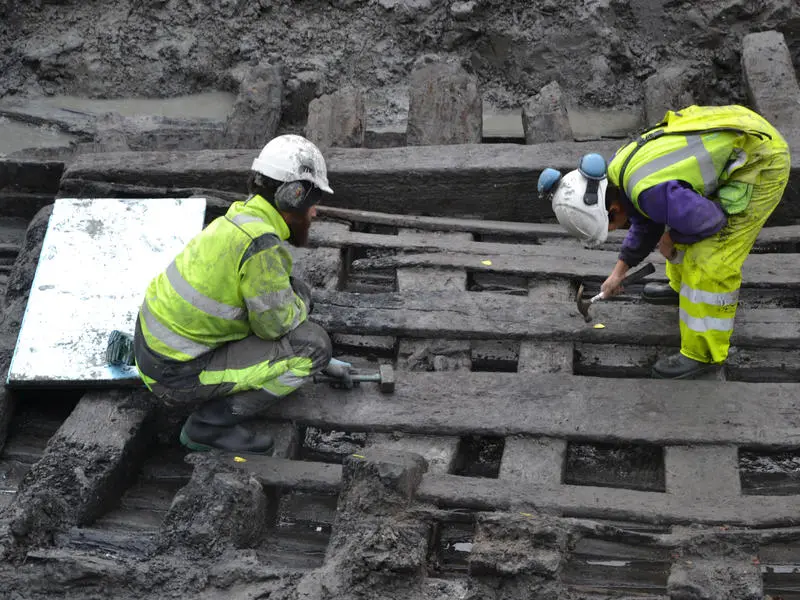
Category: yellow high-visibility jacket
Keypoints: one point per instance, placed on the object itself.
(231, 281)
(715, 149)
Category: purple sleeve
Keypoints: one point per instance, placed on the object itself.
(642, 236)
(690, 216)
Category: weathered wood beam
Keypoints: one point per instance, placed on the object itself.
(556, 405)
(760, 270)
(296, 475)
(519, 230)
(469, 315)
(495, 181)
(454, 491)
(607, 503)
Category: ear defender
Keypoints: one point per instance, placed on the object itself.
(295, 196)
(593, 167)
(548, 182)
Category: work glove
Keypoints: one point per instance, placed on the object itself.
(337, 368)
(302, 289)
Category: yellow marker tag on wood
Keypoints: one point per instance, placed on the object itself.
(239, 459)
(599, 326)
(526, 514)
(358, 456)
(488, 263)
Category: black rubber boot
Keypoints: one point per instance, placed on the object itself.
(214, 425)
(660, 293)
(679, 366)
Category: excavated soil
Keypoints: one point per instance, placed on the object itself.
(600, 51)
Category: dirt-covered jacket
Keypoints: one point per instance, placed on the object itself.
(232, 280)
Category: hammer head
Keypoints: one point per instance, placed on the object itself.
(583, 305)
(387, 379)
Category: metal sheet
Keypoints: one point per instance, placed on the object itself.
(97, 259)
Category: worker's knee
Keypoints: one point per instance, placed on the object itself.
(312, 341)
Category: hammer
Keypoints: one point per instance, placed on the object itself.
(384, 377)
(583, 305)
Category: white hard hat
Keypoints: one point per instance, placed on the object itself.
(583, 215)
(293, 158)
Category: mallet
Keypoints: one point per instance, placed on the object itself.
(583, 305)
(384, 377)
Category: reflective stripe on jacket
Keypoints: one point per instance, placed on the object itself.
(231, 281)
(704, 146)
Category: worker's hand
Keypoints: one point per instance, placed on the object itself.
(612, 286)
(667, 247)
(337, 368)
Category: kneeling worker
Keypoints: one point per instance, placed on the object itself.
(710, 176)
(224, 329)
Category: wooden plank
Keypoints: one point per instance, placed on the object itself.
(743, 364)
(538, 461)
(89, 461)
(565, 248)
(518, 230)
(438, 451)
(700, 473)
(606, 503)
(30, 175)
(760, 270)
(299, 476)
(493, 181)
(558, 405)
(454, 315)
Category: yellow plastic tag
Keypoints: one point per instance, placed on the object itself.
(358, 456)
(239, 459)
(599, 326)
(488, 263)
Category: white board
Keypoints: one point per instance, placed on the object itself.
(97, 259)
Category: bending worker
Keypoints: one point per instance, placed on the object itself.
(224, 329)
(700, 185)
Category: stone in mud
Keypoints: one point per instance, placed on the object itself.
(337, 120)
(671, 88)
(518, 545)
(445, 106)
(220, 506)
(544, 117)
(257, 109)
(463, 10)
(770, 78)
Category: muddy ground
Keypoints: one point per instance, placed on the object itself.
(600, 51)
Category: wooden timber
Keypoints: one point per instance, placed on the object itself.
(492, 181)
(470, 315)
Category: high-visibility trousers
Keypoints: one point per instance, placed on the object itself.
(708, 273)
(274, 369)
